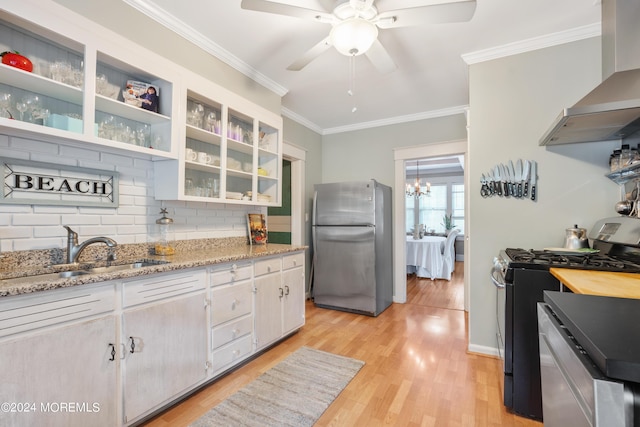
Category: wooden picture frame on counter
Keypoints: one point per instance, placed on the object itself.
(257, 226)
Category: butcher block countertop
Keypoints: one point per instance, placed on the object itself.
(603, 283)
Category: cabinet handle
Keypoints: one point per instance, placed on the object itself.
(234, 304)
(236, 353)
(281, 292)
(286, 290)
(133, 345)
(235, 333)
(112, 352)
(269, 269)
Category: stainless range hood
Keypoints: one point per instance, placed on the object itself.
(611, 111)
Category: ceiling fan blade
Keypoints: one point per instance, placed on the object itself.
(432, 14)
(287, 10)
(380, 58)
(310, 55)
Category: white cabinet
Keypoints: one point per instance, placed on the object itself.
(75, 93)
(294, 294)
(78, 91)
(123, 349)
(60, 366)
(279, 286)
(165, 340)
(231, 314)
(232, 152)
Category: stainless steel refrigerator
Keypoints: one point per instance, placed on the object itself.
(352, 247)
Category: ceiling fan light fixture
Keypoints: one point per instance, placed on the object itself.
(354, 36)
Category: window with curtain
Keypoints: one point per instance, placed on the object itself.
(457, 206)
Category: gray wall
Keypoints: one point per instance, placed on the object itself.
(513, 101)
(301, 136)
(368, 153)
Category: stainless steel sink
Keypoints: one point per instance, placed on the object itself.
(83, 271)
(130, 266)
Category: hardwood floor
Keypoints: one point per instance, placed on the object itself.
(417, 371)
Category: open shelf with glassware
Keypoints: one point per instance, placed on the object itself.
(225, 157)
(74, 91)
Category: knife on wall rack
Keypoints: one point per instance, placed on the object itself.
(505, 179)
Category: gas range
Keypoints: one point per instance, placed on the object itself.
(587, 261)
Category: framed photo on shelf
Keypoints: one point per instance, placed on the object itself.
(141, 94)
(257, 229)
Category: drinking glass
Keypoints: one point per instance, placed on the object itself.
(22, 107)
(5, 104)
(210, 121)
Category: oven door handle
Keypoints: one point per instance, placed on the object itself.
(496, 279)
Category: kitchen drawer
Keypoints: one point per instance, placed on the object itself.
(160, 286)
(230, 302)
(230, 273)
(231, 353)
(228, 332)
(293, 261)
(266, 266)
(27, 312)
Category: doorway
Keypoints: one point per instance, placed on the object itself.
(401, 156)
(280, 216)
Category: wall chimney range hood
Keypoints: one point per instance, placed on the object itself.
(611, 111)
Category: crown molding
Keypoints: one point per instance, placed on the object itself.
(535, 43)
(163, 17)
(462, 109)
(301, 120)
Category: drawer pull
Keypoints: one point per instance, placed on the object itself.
(112, 352)
(234, 304)
(236, 353)
(235, 332)
(281, 292)
(133, 345)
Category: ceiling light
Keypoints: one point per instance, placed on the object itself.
(353, 37)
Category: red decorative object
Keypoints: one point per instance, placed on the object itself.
(14, 59)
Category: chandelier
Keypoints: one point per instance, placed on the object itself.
(417, 191)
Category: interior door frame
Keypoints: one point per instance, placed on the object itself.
(297, 157)
(401, 155)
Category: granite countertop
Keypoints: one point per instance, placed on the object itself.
(603, 283)
(18, 281)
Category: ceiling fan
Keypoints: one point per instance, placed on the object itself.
(355, 25)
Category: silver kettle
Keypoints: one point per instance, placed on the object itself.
(576, 238)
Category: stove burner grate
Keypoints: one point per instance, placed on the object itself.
(587, 261)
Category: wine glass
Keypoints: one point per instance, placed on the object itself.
(22, 106)
(5, 104)
(33, 103)
(210, 121)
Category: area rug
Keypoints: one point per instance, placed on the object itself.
(294, 393)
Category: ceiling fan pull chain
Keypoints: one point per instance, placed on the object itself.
(352, 81)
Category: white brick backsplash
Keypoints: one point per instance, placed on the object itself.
(30, 244)
(85, 232)
(133, 210)
(79, 153)
(15, 233)
(36, 148)
(27, 227)
(35, 219)
(118, 219)
(55, 209)
(51, 231)
(80, 219)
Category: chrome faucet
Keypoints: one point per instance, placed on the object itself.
(74, 249)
